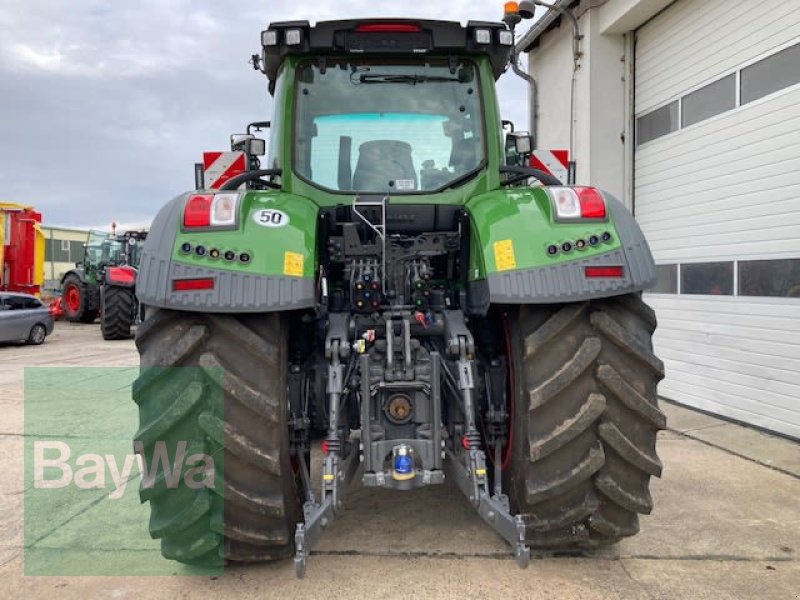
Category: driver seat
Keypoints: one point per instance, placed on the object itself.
(382, 161)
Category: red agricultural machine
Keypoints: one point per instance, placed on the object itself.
(21, 249)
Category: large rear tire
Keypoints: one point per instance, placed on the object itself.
(585, 421)
(118, 311)
(75, 300)
(249, 430)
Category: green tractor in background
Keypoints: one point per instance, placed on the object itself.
(391, 285)
(103, 283)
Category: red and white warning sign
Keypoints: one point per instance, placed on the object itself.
(555, 162)
(219, 167)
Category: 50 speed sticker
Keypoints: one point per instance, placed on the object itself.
(271, 217)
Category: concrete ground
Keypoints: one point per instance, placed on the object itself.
(726, 524)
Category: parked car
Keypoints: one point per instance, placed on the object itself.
(23, 318)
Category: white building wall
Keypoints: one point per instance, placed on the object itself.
(598, 148)
(605, 97)
(551, 65)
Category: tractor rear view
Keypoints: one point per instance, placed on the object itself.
(392, 286)
(103, 283)
(119, 308)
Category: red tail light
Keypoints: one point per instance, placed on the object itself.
(121, 275)
(192, 285)
(592, 204)
(388, 28)
(197, 212)
(576, 203)
(601, 272)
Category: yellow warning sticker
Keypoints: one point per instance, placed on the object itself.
(293, 264)
(504, 255)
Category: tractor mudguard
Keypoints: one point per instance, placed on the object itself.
(520, 254)
(77, 271)
(123, 276)
(265, 263)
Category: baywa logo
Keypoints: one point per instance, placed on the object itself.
(54, 469)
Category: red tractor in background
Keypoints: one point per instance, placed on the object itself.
(104, 283)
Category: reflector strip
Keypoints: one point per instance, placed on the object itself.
(123, 275)
(555, 162)
(600, 272)
(219, 167)
(191, 285)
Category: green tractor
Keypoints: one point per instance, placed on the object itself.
(392, 285)
(104, 283)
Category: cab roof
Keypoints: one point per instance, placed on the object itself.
(384, 37)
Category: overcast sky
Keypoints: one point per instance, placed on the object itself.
(107, 105)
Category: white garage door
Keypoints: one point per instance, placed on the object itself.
(717, 191)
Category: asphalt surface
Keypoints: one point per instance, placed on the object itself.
(726, 524)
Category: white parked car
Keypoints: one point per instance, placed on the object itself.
(23, 318)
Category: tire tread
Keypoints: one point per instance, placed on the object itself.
(251, 512)
(586, 427)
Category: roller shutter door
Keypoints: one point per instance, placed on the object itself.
(717, 192)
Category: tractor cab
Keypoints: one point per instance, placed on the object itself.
(100, 249)
(104, 250)
(400, 107)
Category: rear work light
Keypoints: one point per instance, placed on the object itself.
(603, 272)
(192, 285)
(293, 37)
(483, 36)
(573, 204)
(208, 211)
(388, 28)
(269, 37)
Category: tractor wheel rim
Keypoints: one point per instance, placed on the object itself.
(72, 298)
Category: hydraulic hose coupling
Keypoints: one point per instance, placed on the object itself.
(403, 463)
